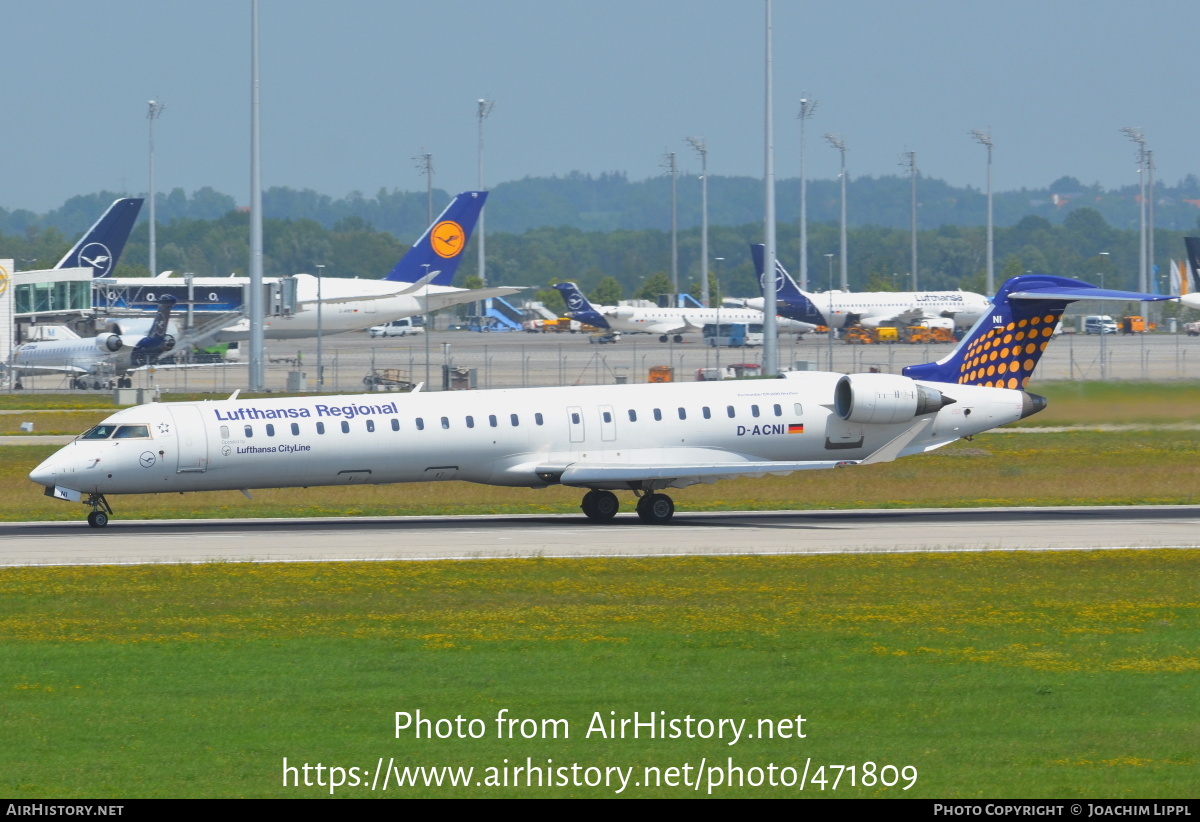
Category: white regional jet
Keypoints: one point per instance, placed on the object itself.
(419, 283)
(637, 438)
(666, 322)
(96, 360)
(839, 309)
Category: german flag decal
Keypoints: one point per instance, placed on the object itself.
(795, 428)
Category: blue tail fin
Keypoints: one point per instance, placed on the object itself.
(1004, 347)
(790, 301)
(440, 248)
(101, 247)
(578, 307)
(158, 341)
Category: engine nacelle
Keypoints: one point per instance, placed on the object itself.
(168, 342)
(884, 398)
(622, 312)
(112, 343)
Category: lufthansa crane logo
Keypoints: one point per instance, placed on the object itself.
(97, 257)
(448, 238)
(762, 280)
(3, 280)
(574, 302)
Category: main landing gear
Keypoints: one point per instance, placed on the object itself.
(652, 508)
(101, 511)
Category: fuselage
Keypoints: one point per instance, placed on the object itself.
(837, 309)
(345, 304)
(498, 437)
(87, 355)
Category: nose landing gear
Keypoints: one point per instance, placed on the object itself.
(101, 510)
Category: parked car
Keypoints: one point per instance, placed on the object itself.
(396, 328)
(1099, 324)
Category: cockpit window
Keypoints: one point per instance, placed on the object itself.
(129, 432)
(100, 432)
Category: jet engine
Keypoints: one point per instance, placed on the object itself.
(884, 398)
(168, 342)
(112, 343)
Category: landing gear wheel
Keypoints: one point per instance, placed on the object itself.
(663, 338)
(81, 384)
(655, 509)
(97, 519)
(678, 338)
(600, 506)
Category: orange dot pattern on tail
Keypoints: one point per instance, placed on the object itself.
(1005, 356)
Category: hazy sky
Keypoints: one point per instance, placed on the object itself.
(353, 90)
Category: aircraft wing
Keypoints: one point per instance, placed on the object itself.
(48, 369)
(683, 467)
(665, 327)
(446, 299)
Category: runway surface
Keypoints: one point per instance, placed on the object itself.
(479, 537)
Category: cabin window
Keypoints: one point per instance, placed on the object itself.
(798, 409)
(270, 430)
(492, 420)
(729, 410)
(682, 413)
(249, 431)
(470, 422)
(778, 410)
(538, 418)
(658, 415)
(754, 410)
(420, 424)
(224, 432)
(574, 418)
(320, 428)
(295, 429)
(370, 426)
(129, 432)
(707, 412)
(607, 416)
(632, 415)
(345, 426)
(513, 419)
(445, 422)
(395, 424)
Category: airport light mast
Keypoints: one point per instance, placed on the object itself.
(1136, 135)
(667, 161)
(254, 304)
(701, 148)
(908, 160)
(770, 330)
(985, 138)
(155, 111)
(837, 142)
(807, 107)
(425, 166)
(482, 112)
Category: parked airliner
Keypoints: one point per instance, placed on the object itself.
(418, 284)
(666, 322)
(840, 309)
(97, 360)
(636, 438)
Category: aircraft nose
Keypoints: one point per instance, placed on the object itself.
(44, 474)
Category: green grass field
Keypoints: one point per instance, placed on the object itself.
(1070, 674)
(993, 675)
